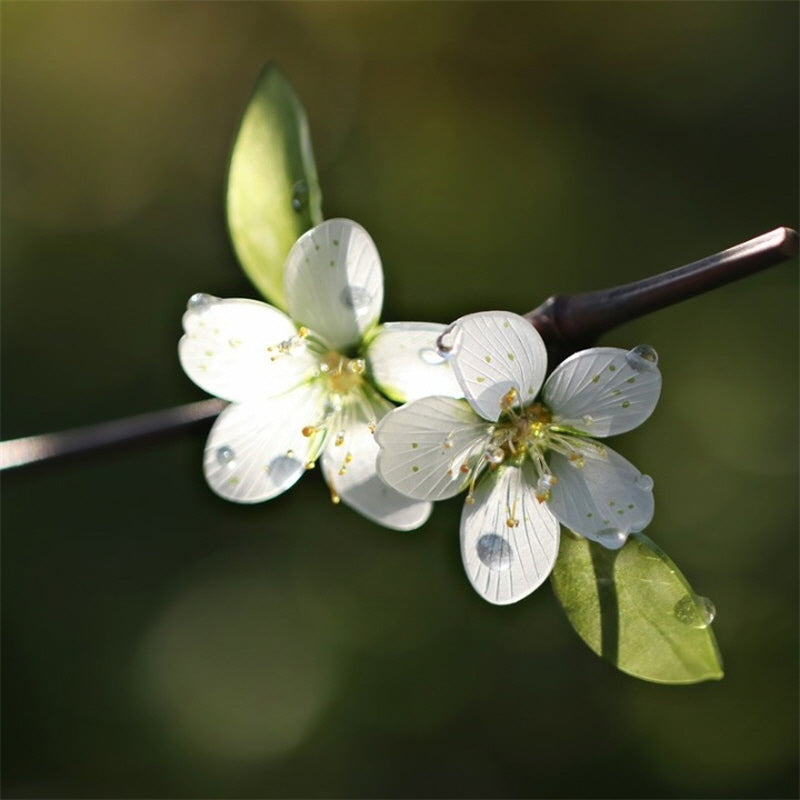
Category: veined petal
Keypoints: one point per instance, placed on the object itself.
(334, 282)
(348, 464)
(603, 391)
(255, 451)
(605, 499)
(494, 353)
(509, 541)
(405, 364)
(242, 350)
(425, 444)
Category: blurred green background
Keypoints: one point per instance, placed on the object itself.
(159, 642)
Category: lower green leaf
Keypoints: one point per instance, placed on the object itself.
(634, 607)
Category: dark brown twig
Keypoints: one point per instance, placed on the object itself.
(567, 324)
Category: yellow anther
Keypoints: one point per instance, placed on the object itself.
(508, 399)
(339, 441)
(512, 523)
(309, 430)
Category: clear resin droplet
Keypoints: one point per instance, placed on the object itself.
(433, 357)
(201, 301)
(695, 610)
(644, 482)
(300, 196)
(226, 456)
(642, 357)
(612, 538)
(355, 297)
(495, 552)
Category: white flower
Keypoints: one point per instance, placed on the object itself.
(300, 384)
(528, 464)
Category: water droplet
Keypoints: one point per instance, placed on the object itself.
(447, 341)
(644, 482)
(611, 538)
(284, 468)
(695, 610)
(495, 455)
(226, 456)
(201, 301)
(642, 357)
(495, 552)
(433, 357)
(355, 297)
(300, 196)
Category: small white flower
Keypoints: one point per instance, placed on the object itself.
(528, 464)
(299, 385)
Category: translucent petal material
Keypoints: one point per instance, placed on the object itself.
(493, 353)
(255, 451)
(405, 364)
(603, 391)
(226, 349)
(509, 541)
(334, 282)
(424, 445)
(349, 468)
(604, 500)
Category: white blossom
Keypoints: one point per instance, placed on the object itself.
(302, 386)
(528, 459)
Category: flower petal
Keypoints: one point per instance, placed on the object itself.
(405, 364)
(255, 451)
(348, 464)
(425, 443)
(509, 541)
(494, 352)
(334, 282)
(603, 391)
(226, 349)
(605, 499)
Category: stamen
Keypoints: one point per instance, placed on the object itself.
(508, 399)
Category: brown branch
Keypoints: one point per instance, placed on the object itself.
(567, 324)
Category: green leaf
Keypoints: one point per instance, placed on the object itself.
(273, 191)
(633, 607)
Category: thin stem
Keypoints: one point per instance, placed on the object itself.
(567, 324)
(572, 322)
(48, 446)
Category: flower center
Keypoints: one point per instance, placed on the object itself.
(522, 431)
(343, 374)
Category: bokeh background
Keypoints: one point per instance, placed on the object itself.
(158, 642)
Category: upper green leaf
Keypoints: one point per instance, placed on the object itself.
(273, 192)
(633, 607)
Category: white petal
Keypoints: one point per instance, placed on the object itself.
(605, 499)
(405, 364)
(226, 349)
(424, 445)
(334, 282)
(603, 391)
(348, 464)
(255, 451)
(509, 541)
(493, 353)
